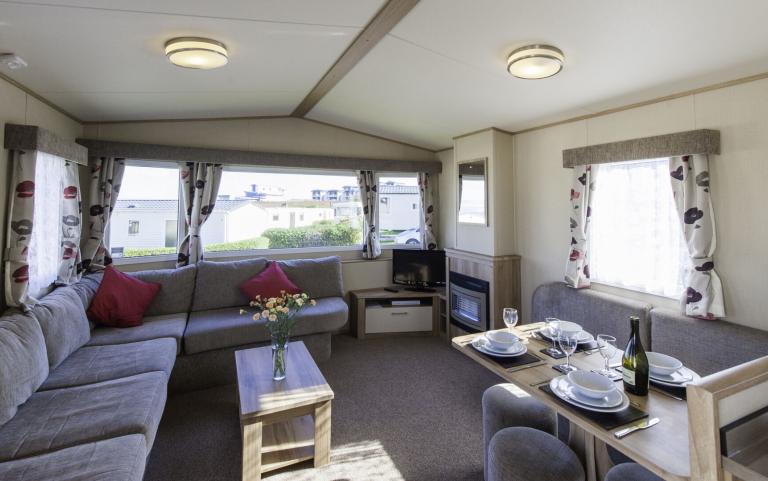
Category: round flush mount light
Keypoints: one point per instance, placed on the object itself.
(535, 61)
(195, 52)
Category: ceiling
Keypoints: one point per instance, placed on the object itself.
(439, 73)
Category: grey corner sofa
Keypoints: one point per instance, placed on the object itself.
(80, 402)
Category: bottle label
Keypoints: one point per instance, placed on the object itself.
(629, 376)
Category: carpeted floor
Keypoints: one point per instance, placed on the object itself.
(406, 408)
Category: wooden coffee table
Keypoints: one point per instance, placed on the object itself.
(282, 422)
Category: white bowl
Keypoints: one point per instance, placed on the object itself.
(569, 327)
(501, 339)
(662, 364)
(591, 384)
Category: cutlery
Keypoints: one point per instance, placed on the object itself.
(644, 424)
(665, 393)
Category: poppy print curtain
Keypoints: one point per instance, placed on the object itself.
(582, 190)
(428, 194)
(106, 177)
(369, 196)
(71, 266)
(199, 187)
(703, 291)
(20, 222)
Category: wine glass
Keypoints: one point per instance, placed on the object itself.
(510, 317)
(568, 342)
(607, 346)
(552, 326)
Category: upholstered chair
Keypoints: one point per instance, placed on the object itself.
(630, 472)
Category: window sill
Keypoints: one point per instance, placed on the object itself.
(650, 297)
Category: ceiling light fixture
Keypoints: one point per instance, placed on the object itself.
(535, 61)
(195, 52)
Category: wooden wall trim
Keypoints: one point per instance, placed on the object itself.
(32, 137)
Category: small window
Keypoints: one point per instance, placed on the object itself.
(399, 217)
(133, 227)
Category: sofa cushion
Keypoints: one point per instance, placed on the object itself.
(121, 299)
(217, 282)
(116, 459)
(319, 277)
(177, 287)
(61, 418)
(23, 361)
(155, 327)
(92, 364)
(86, 287)
(597, 312)
(703, 345)
(220, 328)
(270, 282)
(64, 323)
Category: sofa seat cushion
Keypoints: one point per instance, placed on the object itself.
(217, 283)
(116, 459)
(220, 328)
(61, 418)
(92, 364)
(154, 327)
(177, 286)
(65, 326)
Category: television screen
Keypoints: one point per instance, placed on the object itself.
(414, 267)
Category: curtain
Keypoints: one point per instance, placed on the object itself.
(70, 265)
(369, 196)
(44, 258)
(428, 195)
(582, 188)
(199, 187)
(106, 176)
(20, 220)
(703, 294)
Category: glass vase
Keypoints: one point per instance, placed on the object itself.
(279, 347)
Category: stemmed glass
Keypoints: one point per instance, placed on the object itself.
(568, 342)
(552, 326)
(607, 346)
(510, 317)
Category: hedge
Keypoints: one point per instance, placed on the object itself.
(247, 244)
(319, 234)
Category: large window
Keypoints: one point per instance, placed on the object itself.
(399, 213)
(635, 237)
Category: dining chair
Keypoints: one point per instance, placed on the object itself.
(630, 472)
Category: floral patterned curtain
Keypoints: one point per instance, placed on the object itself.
(20, 222)
(582, 190)
(428, 194)
(106, 176)
(71, 267)
(703, 295)
(369, 196)
(199, 187)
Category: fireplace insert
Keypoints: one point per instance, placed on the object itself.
(470, 307)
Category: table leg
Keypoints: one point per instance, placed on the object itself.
(252, 451)
(583, 444)
(322, 433)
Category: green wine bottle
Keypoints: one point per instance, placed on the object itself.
(634, 363)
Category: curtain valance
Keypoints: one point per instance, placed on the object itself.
(31, 137)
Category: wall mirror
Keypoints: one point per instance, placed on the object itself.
(473, 192)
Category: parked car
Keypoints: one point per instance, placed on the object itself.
(409, 237)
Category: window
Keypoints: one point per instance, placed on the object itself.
(399, 218)
(635, 237)
(146, 216)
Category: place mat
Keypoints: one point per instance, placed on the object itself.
(607, 421)
(510, 362)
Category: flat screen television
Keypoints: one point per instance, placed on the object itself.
(418, 268)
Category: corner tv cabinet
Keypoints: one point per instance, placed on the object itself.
(378, 312)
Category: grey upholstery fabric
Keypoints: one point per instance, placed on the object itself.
(219, 328)
(217, 283)
(61, 418)
(527, 454)
(86, 287)
(706, 346)
(65, 326)
(92, 364)
(23, 361)
(176, 288)
(116, 459)
(156, 327)
(505, 406)
(597, 312)
(630, 472)
(319, 277)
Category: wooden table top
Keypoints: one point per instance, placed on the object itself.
(662, 449)
(303, 385)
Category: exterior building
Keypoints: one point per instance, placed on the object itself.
(397, 206)
(346, 194)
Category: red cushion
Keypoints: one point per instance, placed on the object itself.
(269, 283)
(121, 299)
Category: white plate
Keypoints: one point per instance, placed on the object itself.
(565, 391)
(584, 336)
(482, 345)
(680, 378)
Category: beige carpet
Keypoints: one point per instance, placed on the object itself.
(406, 408)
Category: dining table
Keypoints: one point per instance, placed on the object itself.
(662, 448)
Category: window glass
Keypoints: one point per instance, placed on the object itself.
(635, 237)
(399, 217)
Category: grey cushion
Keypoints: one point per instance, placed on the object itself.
(217, 283)
(116, 459)
(62, 418)
(220, 328)
(65, 325)
(86, 287)
(92, 364)
(23, 361)
(156, 327)
(597, 312)
(706, 346)
(176, 288)
(630, 472)
(319, 277)
(527, 454)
